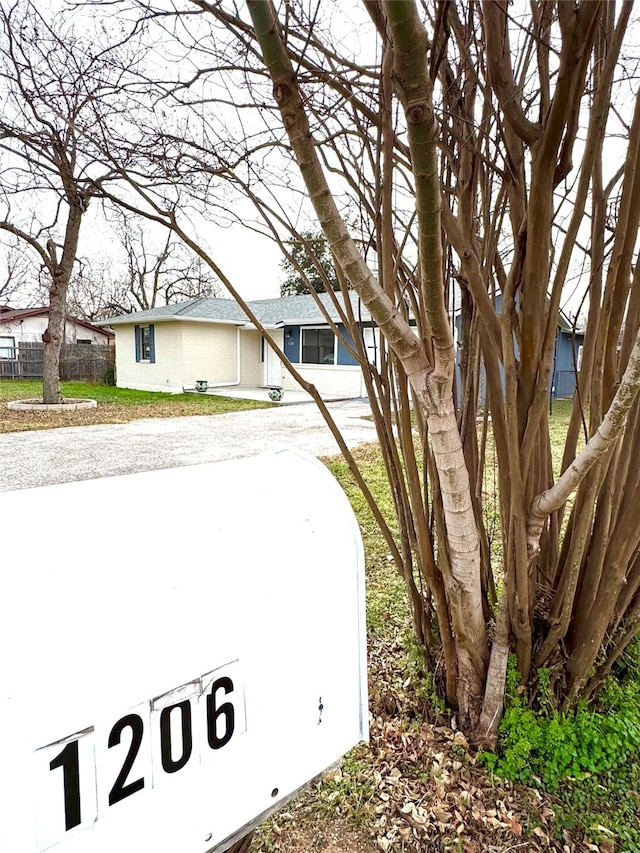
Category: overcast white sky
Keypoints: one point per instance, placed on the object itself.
(251, 262)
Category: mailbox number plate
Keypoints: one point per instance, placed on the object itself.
(82, 777)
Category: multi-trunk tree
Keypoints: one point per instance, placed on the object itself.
(463, 165)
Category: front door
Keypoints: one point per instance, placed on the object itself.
(272, 363)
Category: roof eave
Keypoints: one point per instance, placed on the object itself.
(132, 320)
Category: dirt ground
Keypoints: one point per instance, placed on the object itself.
(330, 836)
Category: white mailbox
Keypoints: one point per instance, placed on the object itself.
(181, 651)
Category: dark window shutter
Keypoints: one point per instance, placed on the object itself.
(152, 344)
(136, 331)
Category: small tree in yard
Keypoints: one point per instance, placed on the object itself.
(53, 82)
(470, 147)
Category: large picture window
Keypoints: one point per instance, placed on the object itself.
(318, 346)
(7, 347)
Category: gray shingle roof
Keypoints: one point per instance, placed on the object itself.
(287, 309)
(201, 309)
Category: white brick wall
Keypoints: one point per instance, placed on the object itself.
(251, 367)
(339, 380)
(163, 375)
(209, 351)
(184, 352)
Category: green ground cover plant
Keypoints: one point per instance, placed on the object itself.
(588, 758)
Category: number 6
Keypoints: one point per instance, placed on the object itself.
(225, 710)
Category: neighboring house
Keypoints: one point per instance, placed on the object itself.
(567, 358)
(86, 351)
(26, 325)
(172, 347)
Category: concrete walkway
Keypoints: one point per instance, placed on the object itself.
(289, 398)
(42, 457)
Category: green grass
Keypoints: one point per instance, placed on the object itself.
(19, 389)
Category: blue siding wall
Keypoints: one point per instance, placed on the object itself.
(563, 381)
(292, 343)
(564, 377)
(344, 356)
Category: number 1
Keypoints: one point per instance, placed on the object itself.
(68, 760)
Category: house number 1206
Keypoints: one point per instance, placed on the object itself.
(169, 733)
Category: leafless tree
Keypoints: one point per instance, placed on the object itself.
(158, 274)
(53, 83)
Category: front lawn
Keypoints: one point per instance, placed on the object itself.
(115, 405)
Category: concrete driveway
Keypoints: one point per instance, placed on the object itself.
(43, 457)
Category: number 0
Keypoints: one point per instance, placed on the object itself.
(214, 713)
(168, 763)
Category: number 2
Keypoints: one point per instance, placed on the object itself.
(120, 790)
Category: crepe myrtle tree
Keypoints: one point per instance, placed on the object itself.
(53, 81)
(478, 113)
(471, 147)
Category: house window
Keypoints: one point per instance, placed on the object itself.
(7, 347)
(318, 346)
(84, 341)
(145, 343)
